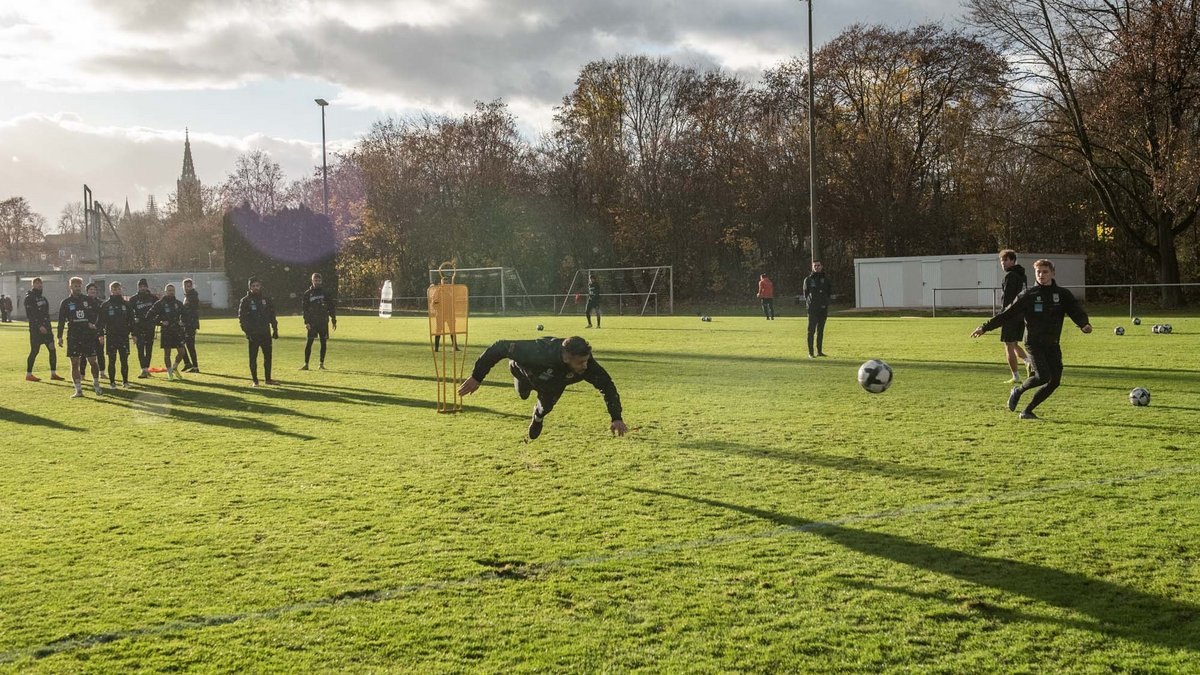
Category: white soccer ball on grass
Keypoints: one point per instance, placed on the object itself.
(875, 376)
(1140, 396)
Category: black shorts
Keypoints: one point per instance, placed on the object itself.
(82, 346)
(1047, 361)
(36, 338)
(1013, 331)
(592, 304)
(170, 339)
(318, 330)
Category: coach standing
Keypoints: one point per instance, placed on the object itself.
(817, 291)
(766, 294)
(256, 314)
(143, 332)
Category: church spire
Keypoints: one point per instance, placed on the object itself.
(189, 171)
(188, 196)
(127, 213)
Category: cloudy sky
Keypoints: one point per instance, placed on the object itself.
(100, 91)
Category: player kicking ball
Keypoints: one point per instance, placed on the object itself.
(547, 366)
(1043, 307)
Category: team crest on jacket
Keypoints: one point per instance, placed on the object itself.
(1056, 297)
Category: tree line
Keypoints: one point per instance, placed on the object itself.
(1052, 125)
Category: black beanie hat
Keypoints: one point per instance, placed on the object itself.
(143, 282)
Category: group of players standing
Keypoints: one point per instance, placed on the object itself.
(96, 330)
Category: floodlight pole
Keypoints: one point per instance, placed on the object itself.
(324, 169)
(812, 143)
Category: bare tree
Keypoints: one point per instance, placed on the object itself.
(1111, 90)
(20, 228)
(256, 180)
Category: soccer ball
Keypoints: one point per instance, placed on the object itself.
(1137, 321)
(875, 376)
(1119, 330)
(706, 318)
(1167, 328)
(1140, 396)
(1156, 329)
(540, 327)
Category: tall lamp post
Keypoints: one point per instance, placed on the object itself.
(324, 169)
(812, 142)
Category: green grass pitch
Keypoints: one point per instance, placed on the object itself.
(764, 514)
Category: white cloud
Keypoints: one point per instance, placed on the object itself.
(62, 152)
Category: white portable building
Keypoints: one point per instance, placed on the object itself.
(966, 280)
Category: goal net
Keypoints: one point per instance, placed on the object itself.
(496, 290)
(637, 291)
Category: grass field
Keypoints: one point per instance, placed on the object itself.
(764, 513)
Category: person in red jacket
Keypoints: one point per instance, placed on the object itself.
(766, 294)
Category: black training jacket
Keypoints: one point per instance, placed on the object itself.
(317, 305)
(142, 302)
(256, 313)
(818, 289)
(116, 318)
(191, 309)
(37, 310)
(79, 314)
(542, 359)
(1014, 282)
(1043, 309)
(167, 314)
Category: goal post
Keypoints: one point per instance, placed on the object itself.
(498, 289)
(643, 290)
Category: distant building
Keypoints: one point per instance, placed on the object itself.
(188, 201)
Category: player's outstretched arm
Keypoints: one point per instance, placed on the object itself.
(468, 387)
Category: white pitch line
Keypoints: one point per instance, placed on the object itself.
(524, 571)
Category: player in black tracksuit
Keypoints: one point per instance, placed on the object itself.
(547, 366)
(143, 330)
(41, 331)
(191, 324)
(817, 291)
(256, 314)
(317, 305)
(1043, 307)
(116, 323)
(93, 292)
(1014, 282)
(79, 314)
(593, 301)
(167, 315)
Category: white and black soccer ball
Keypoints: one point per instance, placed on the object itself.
(1140, 396)
(541, 327)
(1156, 329)
(706, 318)
(875, 376)
(1167, 328)
(1137, 321)
(1119, 330)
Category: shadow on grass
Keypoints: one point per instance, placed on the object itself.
(153, 407)
(18, 417)
(1117, 611)
(854, 464)
(502, 383)
(189, 393)
(331, 394)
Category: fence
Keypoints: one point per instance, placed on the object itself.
(1085, 287)
(631, 303)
